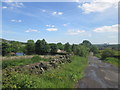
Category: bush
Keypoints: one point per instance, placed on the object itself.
(112, 60)
(107, 53)
(82, 51)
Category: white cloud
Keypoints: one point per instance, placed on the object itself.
(54, 13)
(57, 13)
(60, 13)
(98, 5)
(32, 30)
(112, 28)
(43, 10)
(4, 7)
(11, 4)
(18, 21)
(8, 1)
(75, 32)
(51, 29)
(52, 26)
(65, 25)
(17, 4)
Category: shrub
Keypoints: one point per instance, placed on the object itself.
(107, 53)
(82, 51)
(112, 60)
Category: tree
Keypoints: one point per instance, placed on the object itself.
(60, 46)
(87, 44)
(15, 46)
(54, 48)
(30, 47)
(74, 48)
(67, 47)
(5, 49)
(41, 47)
(81, 50)
(44, 47)
(94, 49)
(38, 45)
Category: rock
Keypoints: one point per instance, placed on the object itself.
(44, 66)
(36, 66)
(42, 69)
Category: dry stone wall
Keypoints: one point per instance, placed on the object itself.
(39, 68)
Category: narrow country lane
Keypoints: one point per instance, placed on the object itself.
(99, 75)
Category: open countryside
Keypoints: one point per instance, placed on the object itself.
(60, 45)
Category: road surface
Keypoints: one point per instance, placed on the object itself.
(99, 75)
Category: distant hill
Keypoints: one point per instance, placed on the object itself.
(9, 41)
(111, 46)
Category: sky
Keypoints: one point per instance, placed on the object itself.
(62, 22)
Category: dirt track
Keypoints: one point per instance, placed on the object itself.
(99, 75)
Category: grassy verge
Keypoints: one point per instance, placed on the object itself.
(64, 77)
(18, 62)
(114, 61)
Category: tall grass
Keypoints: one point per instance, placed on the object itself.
(114, 61)
(65, 76)
(18, 62)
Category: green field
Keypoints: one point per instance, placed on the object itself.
(66, 76)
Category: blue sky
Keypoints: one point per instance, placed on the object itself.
(63, 22)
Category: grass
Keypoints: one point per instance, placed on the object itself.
(117, 53)
(64, 77)
(114, 61)
(98, 55)
(18, 62)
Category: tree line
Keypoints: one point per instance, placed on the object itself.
(41, 47)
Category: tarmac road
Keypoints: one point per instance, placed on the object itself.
(99, 75)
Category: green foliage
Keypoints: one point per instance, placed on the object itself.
(74, 48)
(5, 49)
(94, 49)
(18, 62)
(41, 47)
(82, 51)
(63, 77)
(38, 58)
(54, 48)
(117, 53)
(98, 55)
(38, 45)
(67, 47)
(16, 46)
(107, 53)
(30, 47)
(87, 44)
(112, 60)
(60, 46)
